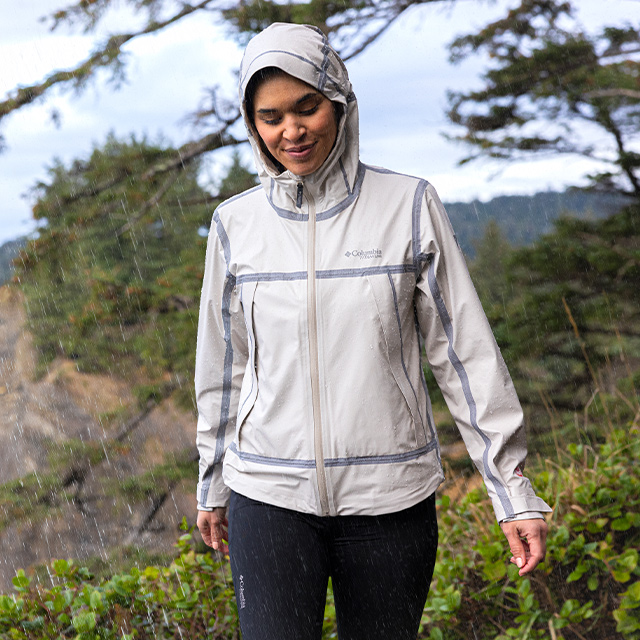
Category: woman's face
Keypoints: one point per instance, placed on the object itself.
(297, 124)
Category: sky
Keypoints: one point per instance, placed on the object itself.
(401, 82)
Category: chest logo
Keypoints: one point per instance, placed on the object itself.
(364, 254)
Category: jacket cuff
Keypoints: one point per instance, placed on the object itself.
(217, 498)
(518, 505)
(525, 515)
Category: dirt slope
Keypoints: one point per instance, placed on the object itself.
(42, 422)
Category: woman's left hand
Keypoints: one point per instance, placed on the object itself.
(528, 542)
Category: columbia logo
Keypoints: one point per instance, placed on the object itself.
(364, 254)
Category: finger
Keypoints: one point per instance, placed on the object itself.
(518, 551)
(218, 538)
(205, 532)
(535, 556)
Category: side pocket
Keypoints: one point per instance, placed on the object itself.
(387, 306)
(249, 390)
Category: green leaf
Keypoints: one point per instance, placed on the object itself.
(20, 581)
(436, 634)
(494, 570)
(622, 524)
(84, 621)
(631, 597)
(60, 567)
(95, 600)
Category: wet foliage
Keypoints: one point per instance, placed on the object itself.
(588, 587)
(565, 311)
(113, 279)
(192, 596)
(589, 584)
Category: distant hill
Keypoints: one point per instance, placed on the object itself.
(9, 251)
(522, 219)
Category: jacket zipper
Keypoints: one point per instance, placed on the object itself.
(312, 320)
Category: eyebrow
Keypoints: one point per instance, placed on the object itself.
(301, 100)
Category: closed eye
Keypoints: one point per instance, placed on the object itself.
(309, 112)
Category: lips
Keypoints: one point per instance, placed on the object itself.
(300, 151)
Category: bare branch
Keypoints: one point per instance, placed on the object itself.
(613, 93)
(186, 154)
(192, 150)
(108, 55)
(150, 203)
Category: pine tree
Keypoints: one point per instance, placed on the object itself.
(549, 79)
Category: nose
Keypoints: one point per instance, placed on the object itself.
(294, 129)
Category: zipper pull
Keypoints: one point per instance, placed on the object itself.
(299, 195)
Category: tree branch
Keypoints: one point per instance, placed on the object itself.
(150, 203)
(108, 55)
(192, 150)
(613, 93)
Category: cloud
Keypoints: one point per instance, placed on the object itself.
(400, 81)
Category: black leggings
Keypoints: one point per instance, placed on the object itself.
(380, 567)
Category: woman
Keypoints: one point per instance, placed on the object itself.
(320, 286)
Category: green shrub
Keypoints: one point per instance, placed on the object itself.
(588, 587)
(589, 584)
(191, 598)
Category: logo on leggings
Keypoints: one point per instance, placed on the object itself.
(241, 597)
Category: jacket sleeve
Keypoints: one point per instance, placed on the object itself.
(221, 357)
(467, 363)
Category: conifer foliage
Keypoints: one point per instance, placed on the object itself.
(551, 87)
(113, 279)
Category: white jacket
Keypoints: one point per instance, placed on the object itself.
(318, 294)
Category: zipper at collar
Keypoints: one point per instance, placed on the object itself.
(314, 360)
(299, 193)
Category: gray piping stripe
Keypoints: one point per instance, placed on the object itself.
(240, 195)
(466, 388)
(404, 366)
(228, 362)
(272, 276)
(226, 389)
(415, 219)
(325, 64)
(284, 213)
(394, 173)
(276, 462)
(387, 459)
(350, 199)
(224, 238)
(333, 462)
(344, 175)
(285, 276)
(336, 86)
(324, 215)
(206, 484)
(364, 271)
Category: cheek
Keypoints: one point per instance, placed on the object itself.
(330, 129)
(267, 136)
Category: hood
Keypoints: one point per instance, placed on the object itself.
(304, 52)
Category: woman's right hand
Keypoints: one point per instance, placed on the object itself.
(213, 528)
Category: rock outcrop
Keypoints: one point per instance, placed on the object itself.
(79, 456)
